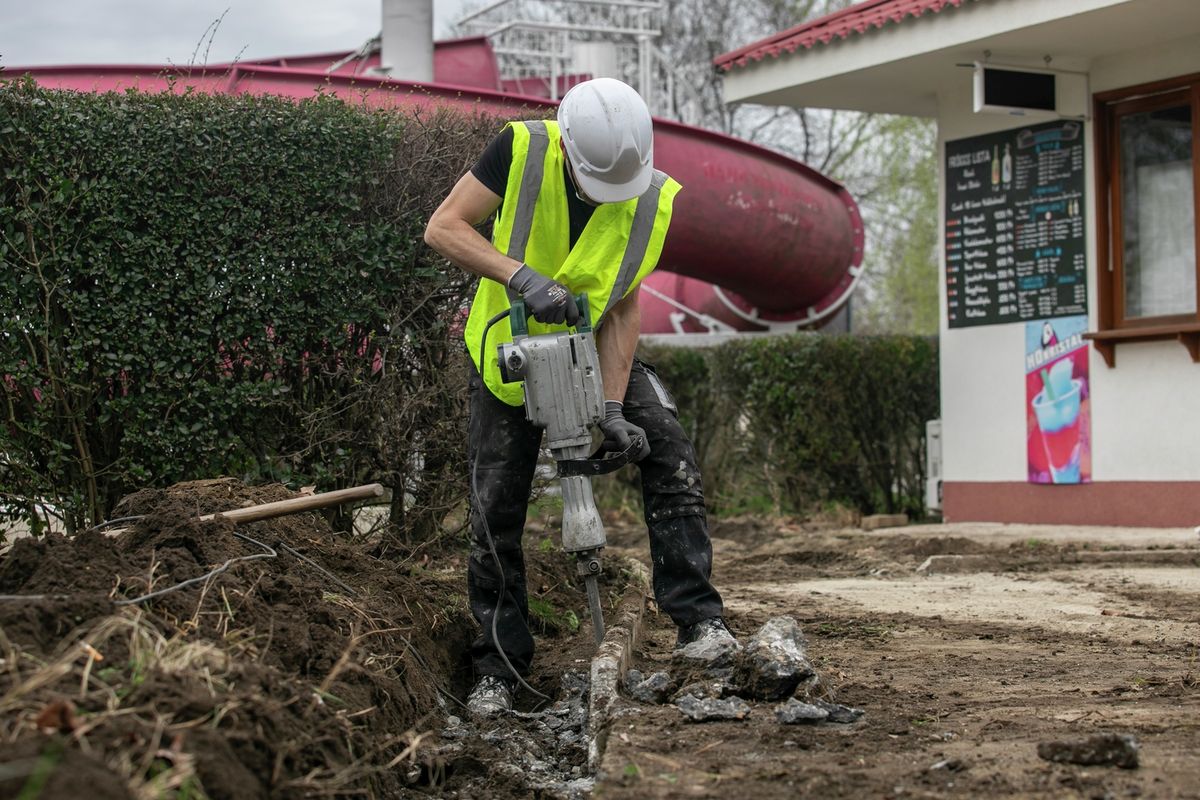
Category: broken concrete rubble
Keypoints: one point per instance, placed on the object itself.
(773, 662)
(797, 712)
(653, 688)
(794, 712)
(545, 751)
(698, 710)
(714, 689)
(713, 658)
(839, 713)
(772, 666)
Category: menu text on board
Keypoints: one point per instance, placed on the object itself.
(1015, 247)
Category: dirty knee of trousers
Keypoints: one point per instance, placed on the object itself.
(681, 554)
(672, 489)
(660, 509)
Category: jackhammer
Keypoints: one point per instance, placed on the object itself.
(565, 396)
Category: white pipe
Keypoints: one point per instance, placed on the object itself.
(407, 52)
(714, 325)
(812, 318)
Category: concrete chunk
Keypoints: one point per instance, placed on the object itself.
(711, 657)
(706, 689)
(698, 710)
(653, 688)
(839, 713)
(794, 712)
(773, 662)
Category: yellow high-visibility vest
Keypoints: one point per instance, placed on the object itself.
(619, 246)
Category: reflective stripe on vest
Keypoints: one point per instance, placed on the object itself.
(618, 247)
(639, 238)
(531, 184)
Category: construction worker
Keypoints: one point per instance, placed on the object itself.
(581, 209)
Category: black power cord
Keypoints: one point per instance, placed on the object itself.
(487, 532)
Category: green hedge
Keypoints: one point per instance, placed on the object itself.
(789, 423)
(197, 285)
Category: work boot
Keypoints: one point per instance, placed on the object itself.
(491, 697)
(708, 631)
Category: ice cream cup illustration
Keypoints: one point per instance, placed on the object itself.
(1057, 410)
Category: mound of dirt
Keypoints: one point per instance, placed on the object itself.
(941, 545)
(282, 676)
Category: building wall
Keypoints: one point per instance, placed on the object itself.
(1145, 425)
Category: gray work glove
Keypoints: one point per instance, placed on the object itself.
(548, 301)
(619, 432)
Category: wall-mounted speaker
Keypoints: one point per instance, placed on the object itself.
(1019, 91)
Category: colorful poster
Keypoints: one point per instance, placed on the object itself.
(1058, 401)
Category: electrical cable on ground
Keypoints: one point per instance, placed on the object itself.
(292, 551)
(269, 552)
(108, 523)
(488, 533)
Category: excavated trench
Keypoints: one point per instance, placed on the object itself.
(320, 670)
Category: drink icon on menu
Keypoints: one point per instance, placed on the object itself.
(1006, 165)
(995, 165)
(1057, 410)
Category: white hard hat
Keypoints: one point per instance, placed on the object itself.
(607, 133)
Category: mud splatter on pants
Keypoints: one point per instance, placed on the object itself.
(504, 447)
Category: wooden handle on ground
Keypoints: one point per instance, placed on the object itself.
(280, 508)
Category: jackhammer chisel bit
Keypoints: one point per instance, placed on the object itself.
(589, 568)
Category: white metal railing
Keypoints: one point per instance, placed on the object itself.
(539, 38)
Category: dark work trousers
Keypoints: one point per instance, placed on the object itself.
(503, 449)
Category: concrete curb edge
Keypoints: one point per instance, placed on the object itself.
(612, 661)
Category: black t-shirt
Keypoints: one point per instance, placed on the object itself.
(492, 171)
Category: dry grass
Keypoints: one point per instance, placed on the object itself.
(98, 668)
(34, 691)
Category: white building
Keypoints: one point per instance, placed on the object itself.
(1068, 195)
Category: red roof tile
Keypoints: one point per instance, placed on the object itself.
(842, 24)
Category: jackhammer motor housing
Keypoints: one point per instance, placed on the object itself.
(563, 390)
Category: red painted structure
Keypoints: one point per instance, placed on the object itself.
(838, 25)
(783, 241)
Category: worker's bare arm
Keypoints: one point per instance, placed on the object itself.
(451, 231)
(616, 342)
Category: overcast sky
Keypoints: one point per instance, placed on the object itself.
(167, 31)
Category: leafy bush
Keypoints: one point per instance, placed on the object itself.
(196, 285)
(787, 423)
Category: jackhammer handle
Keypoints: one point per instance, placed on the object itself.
(518, 316)
(585, 313)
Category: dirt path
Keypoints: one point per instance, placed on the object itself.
(1039, 634)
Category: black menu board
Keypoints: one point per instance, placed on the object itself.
(1014, 233)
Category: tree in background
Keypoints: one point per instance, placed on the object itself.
(899, 291)
(887, 162)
